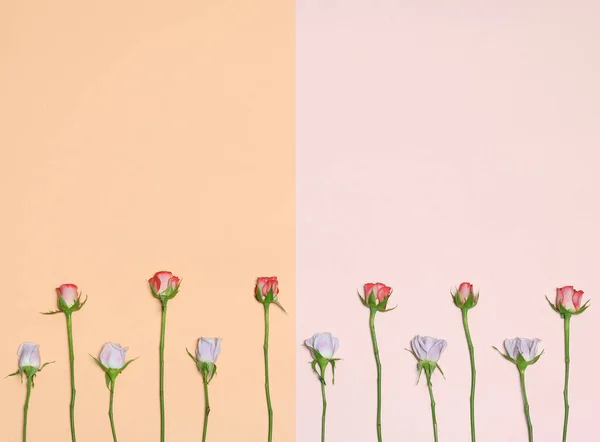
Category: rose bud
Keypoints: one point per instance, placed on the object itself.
(428, 349)
(266, 289)
(112, 360)
(29, 355)
(68, 297)
(322, 345)
(164, 285)
(376, 295)
(208, 349)
(464, 296)
(568, 298)
(113, 356)
(207, 352)
(521, 351)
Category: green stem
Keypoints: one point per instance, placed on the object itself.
(26, 406)
(526, 404)
(161, 356)
(324, 414)
(110, 410)
(206, 408)
(433, 416)
(72, 368)
(567, 363)
(267, 389)
(472, 358)
(378, 363)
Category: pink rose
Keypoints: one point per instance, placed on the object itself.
(113, 356)
(465, 290)
(264, 285)
(380, 291)
(29, 355)
(68, 293)
(569, 298)
(164, 284)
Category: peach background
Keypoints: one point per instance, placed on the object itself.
(440, 142)
(139, 136)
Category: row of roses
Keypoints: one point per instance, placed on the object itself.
(323, 346)
(113, 357)
(427, 350)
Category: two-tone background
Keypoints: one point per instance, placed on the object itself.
(327, 142)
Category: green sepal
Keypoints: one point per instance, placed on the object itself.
(362, 300)
(552, 305)
(563, 312)
(18, 372)
(385, 309)
(582, 308)
(276, 302)
(111, 373)
(169, 293)
(207, 369)
(468, 304)
(332, 362)
(53, 312)
(504, 355)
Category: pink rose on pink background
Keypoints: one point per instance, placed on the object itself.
(464, 296)
(376, 295)
(569, 298)
(380, 290)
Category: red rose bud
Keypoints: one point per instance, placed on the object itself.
(568, 300)
(69, 297)
(164, 285)
(376, 295)
(464, 296)
(266, 289)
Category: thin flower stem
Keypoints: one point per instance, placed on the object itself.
(110, 410)
(526, 405)
(206, 408)
(72, 368)
(433, 415)
(26, 407)
(567, 363)
(163, 324)
(473, 372)
(324, 414)
(267, 389)
(378, 363)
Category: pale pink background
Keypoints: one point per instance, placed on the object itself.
(438, 142)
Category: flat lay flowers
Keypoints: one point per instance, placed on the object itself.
(322, 347)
